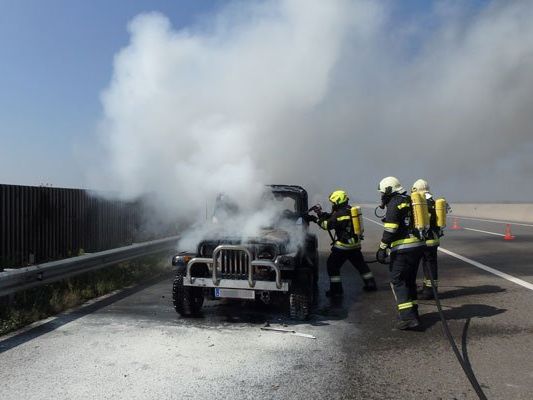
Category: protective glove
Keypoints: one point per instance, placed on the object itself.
(381, 254)
(310, 218)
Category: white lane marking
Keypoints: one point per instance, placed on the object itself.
(479, 230)
(484, 267)
(371, 220)
(490, 220)
(470, 229)
(489, 269)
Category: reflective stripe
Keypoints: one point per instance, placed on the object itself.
(347, 246)
(407, 246)
(391, 227)
(334, 278)
(406, 241)
(343, 218)
(427, 283)
(404, 306)
(402, 205)
(324, 224)
(368, 275)
(432, 242)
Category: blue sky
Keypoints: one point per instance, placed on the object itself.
(55, 59)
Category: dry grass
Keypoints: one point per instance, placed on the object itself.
(34, 304)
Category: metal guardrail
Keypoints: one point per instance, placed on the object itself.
(24, 278)
(39, 224)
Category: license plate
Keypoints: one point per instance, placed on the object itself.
(235, 293)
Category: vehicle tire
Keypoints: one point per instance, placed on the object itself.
(187, 300)
(299, 306)
(313, 258)
(316, 264)
(312, 262)
(301, 296)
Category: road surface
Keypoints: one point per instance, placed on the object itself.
(133, 345)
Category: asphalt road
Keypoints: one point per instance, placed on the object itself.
(133, 345)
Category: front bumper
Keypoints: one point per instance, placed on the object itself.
(246, 266)
(236, 284)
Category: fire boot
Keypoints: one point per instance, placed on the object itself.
(335, 290)
(408, 315)
(415, 310)
(408, 324)
(426, 293)
(370, 285)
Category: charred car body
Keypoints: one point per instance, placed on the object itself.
(269, 266)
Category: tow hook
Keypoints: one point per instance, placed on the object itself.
(265, 297)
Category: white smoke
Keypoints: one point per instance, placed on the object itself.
(326, 94)
(266, 220)
(187, 112)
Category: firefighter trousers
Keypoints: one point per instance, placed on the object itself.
(403, 269)
(429, 264)
(337, 258)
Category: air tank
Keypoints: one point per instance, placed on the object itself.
(357, 220)
(420, 211)
(441, 209)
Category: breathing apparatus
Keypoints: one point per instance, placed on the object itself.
(388, 187)
(357, 221)
(420, 213)
(441, 209)
(385, 198)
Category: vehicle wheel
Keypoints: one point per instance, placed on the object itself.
(312, 254)
(315, 270)
(313, 263)
(187, 300)
(301, 297)
(299, 306)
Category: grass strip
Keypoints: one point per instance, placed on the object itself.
(25, 307)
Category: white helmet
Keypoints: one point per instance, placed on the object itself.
(389, 185)
(420, 186)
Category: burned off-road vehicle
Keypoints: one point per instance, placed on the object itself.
(270, 266)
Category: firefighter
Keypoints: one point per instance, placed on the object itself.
(429, 257)
(346, 244)
(405, 247)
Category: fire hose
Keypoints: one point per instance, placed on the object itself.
(466, 368)
(464, 365)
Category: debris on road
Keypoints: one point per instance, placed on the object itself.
(292, 332)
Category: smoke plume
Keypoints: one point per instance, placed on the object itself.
(326, 94)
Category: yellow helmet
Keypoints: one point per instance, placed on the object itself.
(420, 186)
(389, 185)
(338, 197)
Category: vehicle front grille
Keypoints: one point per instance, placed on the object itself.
(233, 264)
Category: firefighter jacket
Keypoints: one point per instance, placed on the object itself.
(399, 234)
(340, 220)
(434, 231)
